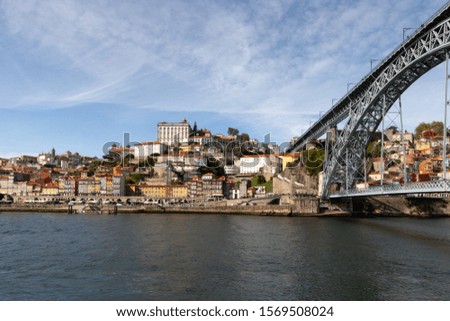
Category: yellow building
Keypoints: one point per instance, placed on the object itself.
(51, 189)
(89, 186)
(423, 145)
(289, 158)
(179, 191)
(95, 188)
(160, 191)
(186, 148)
(152, 191)
(106, 185)
(33, 188)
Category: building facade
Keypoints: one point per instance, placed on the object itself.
(147, 149)
(88, 187)
(118, 183)
(174, 133)
(51, 189)
(7, 185)
(68, 186)
(160, 191)
(207, 187)
(253, 164)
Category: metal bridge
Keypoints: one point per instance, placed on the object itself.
(367, 103)
(439, 186)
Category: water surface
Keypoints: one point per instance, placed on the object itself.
(222, 257)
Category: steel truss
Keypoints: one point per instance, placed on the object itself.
(441, 186)
(370, 106)
(340, 110)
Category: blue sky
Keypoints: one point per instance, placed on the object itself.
(77, 74)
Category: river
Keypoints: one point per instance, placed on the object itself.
(222, 257)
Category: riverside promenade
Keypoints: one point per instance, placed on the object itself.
(303, 207)
(386, 206)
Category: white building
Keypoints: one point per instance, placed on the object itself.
(7, 184)
(196, 160)
(170, 158)
(265, 164)
(146, 149)
(231, 169)
(173, 133)
(119, 185)
(202, 140)
(253, 164)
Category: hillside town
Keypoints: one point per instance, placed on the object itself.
(187, 164)
(183, 163)
(411, 157)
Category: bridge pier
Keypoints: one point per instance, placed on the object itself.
(395, 205)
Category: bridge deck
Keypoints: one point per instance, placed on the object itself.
(440, 186)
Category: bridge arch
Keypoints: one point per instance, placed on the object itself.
(373, 100)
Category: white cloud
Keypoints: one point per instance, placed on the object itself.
(280, 62)
(11, 154)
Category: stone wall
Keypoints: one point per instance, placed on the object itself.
(299, 207)
(290, 186)
(401, 206)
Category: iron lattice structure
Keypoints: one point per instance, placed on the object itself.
(367, 103)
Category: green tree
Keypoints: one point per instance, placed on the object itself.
(437, 126)
(94, 165)
(150, 161)
(135, 178)
(214, 166)
(258, 180)
(374, 149)
(232, 131)
(245, 137)
(269, 185)
(313, 160)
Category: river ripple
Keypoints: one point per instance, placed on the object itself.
(222, 257)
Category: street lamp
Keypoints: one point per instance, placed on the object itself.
(371, 63)
(349, 84)
(407, 29)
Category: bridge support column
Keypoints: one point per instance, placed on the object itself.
(346, 172)
(382, 141)
(444, 149)
(402, 134)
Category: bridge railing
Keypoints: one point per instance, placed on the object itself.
(437, 186)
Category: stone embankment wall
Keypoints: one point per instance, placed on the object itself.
(402, 206)
(44, 208)
(301, 209)
(301, 205)
(266, 210)
(296, 207)
(292, 183)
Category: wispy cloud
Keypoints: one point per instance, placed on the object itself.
(10, 154)
(280, 62)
